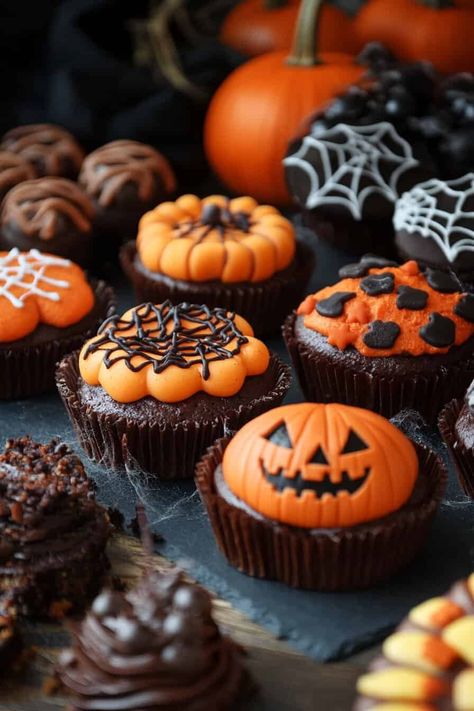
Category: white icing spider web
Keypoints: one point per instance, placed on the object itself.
(418, 211)
(356, 162)
(26, 270)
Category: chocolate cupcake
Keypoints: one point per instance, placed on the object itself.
(322, 497)
(13, 170)
(161, 383)
(47, 309)
(230, 253)
(50, 214)
(385, 337)
(156, 647)
(125, 179)
(347, 179)
(50, 149)
(456, 424)
(434, 224)
(52, 531)
(428, 663)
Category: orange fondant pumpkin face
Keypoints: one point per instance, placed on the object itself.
(314, 465)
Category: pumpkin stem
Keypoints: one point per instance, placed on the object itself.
(304, 50)
(437, 4)
(274, 4)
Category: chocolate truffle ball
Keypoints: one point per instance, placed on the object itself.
(50, 149)
(49, 214)
(13, 170)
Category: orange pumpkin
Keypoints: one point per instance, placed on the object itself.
(258, 108)
(441, 30)
(255, 27)
(321, 466)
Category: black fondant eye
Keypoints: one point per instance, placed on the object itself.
(280, 436)
(318, 457)
(354, 444)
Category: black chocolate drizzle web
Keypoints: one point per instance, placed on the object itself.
(153, 343)
(215, 217)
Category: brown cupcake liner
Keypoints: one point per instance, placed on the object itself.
(264, 305)
(343, 559)
(323, 380)
(29, 370)
(170, 451)
(462, 456)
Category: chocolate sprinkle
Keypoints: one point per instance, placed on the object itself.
(442, 281)
(381, 334)
(333, 306)
(376, 284)
(440, 331)
(465, 308)
(361, 269)
(411, 299)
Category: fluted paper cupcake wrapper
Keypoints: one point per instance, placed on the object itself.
(323, 380)
(462, 456)
(29, 370)
(264, 305)
(169, 451)
(342, 559)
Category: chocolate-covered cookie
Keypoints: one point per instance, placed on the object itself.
(50, 149)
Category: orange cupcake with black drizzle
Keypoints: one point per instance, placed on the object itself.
(161, 383)
(47, 309)
(221, 252)
(385, 337)
(322, 497)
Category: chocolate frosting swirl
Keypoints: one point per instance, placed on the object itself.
(108, 170)
(44, 208)
(13, 170)
(50, 149)
(157, 647)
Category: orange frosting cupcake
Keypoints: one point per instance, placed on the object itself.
(40, 288)
(215, 239)
(172, 352)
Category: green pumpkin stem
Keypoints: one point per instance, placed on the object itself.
(304, 52)
(274, 4)
(437, 4)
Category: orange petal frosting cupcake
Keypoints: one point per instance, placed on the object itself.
(161, 383)
(385, 337)
(428, 663)
(221, 252)
(47, 308)
(304, 493)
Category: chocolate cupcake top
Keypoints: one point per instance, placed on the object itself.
(155, 647)
(124, 173)
(38, 288)
(428, 663)
(50, 149)
(381, 309)
(321, 466)
(13, 170)
(171, 352)
(435, 223)
(215, 238)
(350, 169)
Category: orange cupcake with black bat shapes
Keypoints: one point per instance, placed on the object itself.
(225, 252)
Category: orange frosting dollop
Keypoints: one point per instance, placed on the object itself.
(215, 239)
(351, 326)
(172, 352)
(40, 288)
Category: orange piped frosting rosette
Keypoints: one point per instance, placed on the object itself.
(216, 238)
(38, 288)
(321, 466)
(170, 352)
(428, 663)
(393, 310)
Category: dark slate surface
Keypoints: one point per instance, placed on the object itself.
(325, 626)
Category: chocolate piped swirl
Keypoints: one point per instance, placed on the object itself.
(51, 527)
(50, 149)
(13, 170)
(157, 647)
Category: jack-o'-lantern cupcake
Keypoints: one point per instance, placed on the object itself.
(47, 309)
(221, 252)
(323, 497)
(161, 383)
(428, 663)
(456, 424)
(385, 337)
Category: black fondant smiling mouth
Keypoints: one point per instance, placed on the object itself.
(280, 482)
